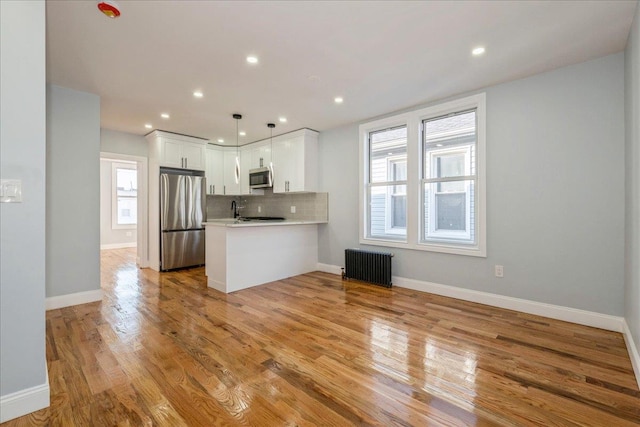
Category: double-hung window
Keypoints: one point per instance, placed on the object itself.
(387, 184)
(423, 179)
(449, 178)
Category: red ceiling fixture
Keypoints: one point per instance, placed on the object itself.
(109, 8)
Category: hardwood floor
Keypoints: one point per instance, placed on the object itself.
(163, 349)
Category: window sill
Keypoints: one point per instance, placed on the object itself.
(124, 227)
(441, 248)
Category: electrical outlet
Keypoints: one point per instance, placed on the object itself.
(499, 270)
(128, 233)
(10, 191)
(293, 209)
(259, 209)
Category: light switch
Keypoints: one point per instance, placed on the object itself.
(10, 191)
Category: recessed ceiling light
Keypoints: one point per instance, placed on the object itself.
(478, 51)
(283, 119)
(338, 100)
(164, 115)
(148, 126)
(220, 140)
(438, 145)
(242, 133)
(252, 59)
(198, 94)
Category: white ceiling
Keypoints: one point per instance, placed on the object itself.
(380, 56)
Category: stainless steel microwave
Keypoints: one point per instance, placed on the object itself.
(260, 178)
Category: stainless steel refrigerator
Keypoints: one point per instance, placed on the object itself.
(182, 211)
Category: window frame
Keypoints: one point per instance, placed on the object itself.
(366, 185)
(389, 225)
(413, 120)
(114, 195)
(445, 235)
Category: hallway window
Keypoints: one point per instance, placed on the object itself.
(125, 196)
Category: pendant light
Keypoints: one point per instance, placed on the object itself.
(237, 117)
(271, 126)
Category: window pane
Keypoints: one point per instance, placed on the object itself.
(127, 182)
(451, 129)
(388, 212)
(386, 148)
(449, 146)
(399, 211)
(399, 169)
(449, 212)
(127, 210)
(450, 165)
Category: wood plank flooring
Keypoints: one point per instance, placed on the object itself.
(312, 350)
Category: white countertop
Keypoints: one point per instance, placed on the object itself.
(230, 222)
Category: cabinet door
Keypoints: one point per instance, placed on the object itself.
(296, 167)
(171, 153)
(261, 156)
(214, 171)
(194, 156)
(282, 165)
(245, 165)
(230, 186)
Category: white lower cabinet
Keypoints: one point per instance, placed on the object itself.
(275, 252)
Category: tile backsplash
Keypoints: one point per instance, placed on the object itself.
(308, 206)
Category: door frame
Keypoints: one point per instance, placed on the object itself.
(142, 229)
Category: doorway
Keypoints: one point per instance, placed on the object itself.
(123, 204)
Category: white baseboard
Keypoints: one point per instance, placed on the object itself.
(568, 314)
(558, 312)
(328, 268)
(118, 245)
(25, 401)
(632, 348)
(61, 301)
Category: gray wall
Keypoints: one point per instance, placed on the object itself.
(632, 157)
(73, 198)
(22, 225)
(112, 141)
(109, 235)
(555, 193)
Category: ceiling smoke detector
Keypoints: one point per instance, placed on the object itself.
(109, 8)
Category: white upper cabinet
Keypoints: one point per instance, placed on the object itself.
(194, 156)
(252, 156)
(245, 166)
(214, 171)
(171, 153)
(295, 162)
(178, 151)
(230, 185)
(260, 156)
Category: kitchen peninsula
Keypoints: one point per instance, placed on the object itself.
(240, 254)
